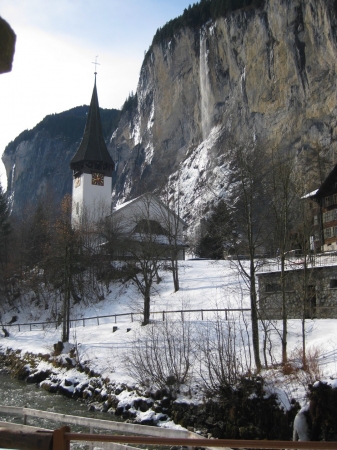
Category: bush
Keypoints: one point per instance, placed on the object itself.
(323, 412)
(163, 359)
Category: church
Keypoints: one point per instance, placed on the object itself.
(92, 167)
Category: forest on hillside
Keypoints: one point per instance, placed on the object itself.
(69, 123)
(199, 13)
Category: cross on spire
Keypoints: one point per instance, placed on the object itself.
(96, 64)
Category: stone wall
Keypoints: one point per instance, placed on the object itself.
(310, 294)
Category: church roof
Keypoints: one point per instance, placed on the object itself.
(93, 147)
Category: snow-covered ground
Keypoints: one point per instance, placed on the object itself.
(203, 285)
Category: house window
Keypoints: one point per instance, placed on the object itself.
(329, 216)
(335, 198)
(327, 201)
(316, 220)
(273, 287)
(327, 233)
(333, 283)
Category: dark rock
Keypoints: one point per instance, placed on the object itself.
(58, 347)
(165, 402)
(38, 376)
(119, 410)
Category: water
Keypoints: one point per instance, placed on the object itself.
(19, 393)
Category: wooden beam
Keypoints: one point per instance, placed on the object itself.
(25, 440)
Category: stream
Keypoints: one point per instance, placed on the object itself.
(20, 393)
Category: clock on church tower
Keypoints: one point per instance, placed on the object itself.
(92, 168)
(97, 179)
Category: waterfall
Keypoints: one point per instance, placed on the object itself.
(205, 88)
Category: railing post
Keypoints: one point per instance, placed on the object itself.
(97, 320)
(91, 445)
(202, 315)
(59, 441)
(131, 317)
(163, 316)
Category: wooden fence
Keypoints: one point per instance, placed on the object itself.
(60, 440)
(23, 437)
(99, 319)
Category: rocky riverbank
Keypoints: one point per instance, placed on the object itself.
(245, 412)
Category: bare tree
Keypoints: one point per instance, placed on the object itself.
(222, 351)
(307, 283)
(168, 213)
(141, 242)
(248, 198)
(283, 200)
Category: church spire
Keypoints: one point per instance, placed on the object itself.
(92, 154)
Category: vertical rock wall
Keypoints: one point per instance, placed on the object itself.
(259, 75)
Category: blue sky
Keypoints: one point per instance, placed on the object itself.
(57, 41)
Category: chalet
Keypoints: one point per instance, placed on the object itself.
(325, 219)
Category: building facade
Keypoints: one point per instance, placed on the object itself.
(309, 293)
(325, 214)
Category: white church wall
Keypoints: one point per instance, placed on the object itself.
(89, 199)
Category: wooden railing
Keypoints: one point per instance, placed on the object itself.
(98, 319)
(31, 438)
(60, 440)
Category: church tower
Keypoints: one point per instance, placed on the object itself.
(92, 168)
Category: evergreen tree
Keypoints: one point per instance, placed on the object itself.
(39, 236)
(220, 234)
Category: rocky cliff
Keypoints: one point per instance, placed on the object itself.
(261, 74)
(264, 75)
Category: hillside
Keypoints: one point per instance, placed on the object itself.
(37, 161)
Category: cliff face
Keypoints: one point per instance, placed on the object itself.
(264, 75)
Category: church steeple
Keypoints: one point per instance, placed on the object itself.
(92, 154)
(92, 168)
